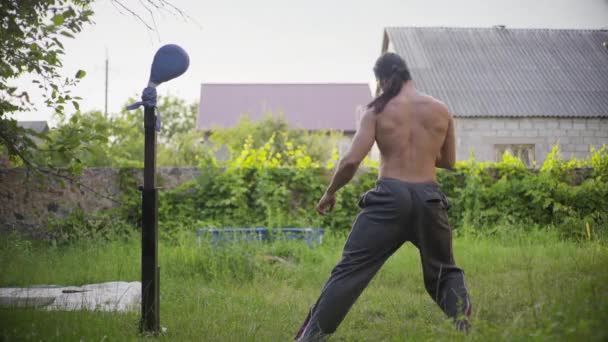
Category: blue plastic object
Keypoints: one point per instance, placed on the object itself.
(234, 234)
(170, 61)
(312, 236)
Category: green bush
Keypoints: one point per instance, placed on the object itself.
(270, 186)
(504, 194)
(266, 187)
(80, 226)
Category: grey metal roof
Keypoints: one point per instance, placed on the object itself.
(36, 126)
(498, 72)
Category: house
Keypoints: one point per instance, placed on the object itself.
(518, 90)
(41, 127)
(312, 107)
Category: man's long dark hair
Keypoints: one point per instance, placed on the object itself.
(391, 71)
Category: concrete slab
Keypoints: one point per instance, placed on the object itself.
(112, 296)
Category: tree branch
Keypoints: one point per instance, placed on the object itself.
(55, 172)
(79, 184)
(159, 5)
(133, 14)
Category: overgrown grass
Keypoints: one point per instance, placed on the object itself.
(523, 287)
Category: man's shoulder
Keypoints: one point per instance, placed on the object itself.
(434, 101)
(438, 106)
(366, 113)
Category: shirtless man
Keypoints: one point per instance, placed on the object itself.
(415, 134)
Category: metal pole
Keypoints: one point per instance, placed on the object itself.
(106, 88)
(149, 233)
(170, 61)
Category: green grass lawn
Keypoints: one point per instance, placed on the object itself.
(523, 287)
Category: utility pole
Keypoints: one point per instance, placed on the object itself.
(106, 90)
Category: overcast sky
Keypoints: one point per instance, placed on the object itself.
(278, 41)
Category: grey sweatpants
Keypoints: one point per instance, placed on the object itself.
(392, 213)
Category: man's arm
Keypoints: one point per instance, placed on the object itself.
(447, 156)
(360, 147)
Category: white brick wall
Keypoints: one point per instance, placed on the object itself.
(565, 123)
(574, 135)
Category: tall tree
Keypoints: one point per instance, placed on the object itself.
(30, 44)
(118, 140)
(31, 35)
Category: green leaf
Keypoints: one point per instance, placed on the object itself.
(58, 42)
(76, 105)
(67, 34)
(58, 19)
(80, 74)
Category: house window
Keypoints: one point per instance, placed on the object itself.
(525, 152)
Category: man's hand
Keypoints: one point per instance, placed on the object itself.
(328, 200)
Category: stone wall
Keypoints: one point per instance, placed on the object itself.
(28, 201)
(574, 136)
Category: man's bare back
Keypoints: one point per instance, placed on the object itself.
(414, 134)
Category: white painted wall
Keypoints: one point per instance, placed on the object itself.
(575, 136)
